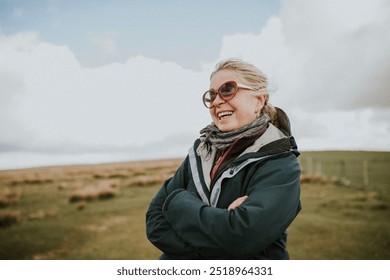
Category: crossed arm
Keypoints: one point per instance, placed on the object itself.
(183, 226)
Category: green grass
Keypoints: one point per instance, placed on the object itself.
(107, 229)
(337, 222)
(349, 165)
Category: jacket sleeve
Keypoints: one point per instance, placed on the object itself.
(158, 230)
(272, 204)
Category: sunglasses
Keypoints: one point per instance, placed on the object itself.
(227, 91)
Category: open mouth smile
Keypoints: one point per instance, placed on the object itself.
(224, 114)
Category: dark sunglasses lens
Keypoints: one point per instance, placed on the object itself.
(208, 98)
(228, 89)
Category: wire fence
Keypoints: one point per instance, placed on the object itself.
(366, 170)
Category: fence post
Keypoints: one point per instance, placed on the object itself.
(342, 169)
(365, 175)
(318, 169)
(309, 166)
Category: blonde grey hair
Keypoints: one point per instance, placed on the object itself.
(251, 76)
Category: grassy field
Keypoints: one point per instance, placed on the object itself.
(98, 211)
(364, 170)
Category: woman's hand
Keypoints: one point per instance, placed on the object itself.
(237, 202)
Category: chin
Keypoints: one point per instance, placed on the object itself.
(226, 127)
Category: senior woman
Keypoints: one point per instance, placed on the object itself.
(238, 189)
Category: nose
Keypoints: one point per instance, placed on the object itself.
(218, 101)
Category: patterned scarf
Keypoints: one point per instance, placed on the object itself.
(211, 136)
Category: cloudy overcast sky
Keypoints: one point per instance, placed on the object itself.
(101, 81)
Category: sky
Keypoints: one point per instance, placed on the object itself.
(107, 81)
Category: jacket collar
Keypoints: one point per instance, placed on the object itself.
(270, 135)
(207, 159)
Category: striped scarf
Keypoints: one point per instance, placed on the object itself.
(211, 136)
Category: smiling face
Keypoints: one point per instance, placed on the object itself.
(237, 112)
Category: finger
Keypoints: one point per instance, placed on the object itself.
(237, 202)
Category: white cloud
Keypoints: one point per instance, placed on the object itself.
(341, 130)
(337, 51)
(344, 48)
(51, 103)
(330, 62)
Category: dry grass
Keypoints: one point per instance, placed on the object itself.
(9, 197)
(340, 222)
(103, 190)
(42, 214)
(337, 221)
(145, 180)
(318, 179)
(65, 175)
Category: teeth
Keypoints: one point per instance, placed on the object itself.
(225, 114)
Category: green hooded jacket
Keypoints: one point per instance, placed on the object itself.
(188, 217)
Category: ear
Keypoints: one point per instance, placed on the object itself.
(261, 101)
